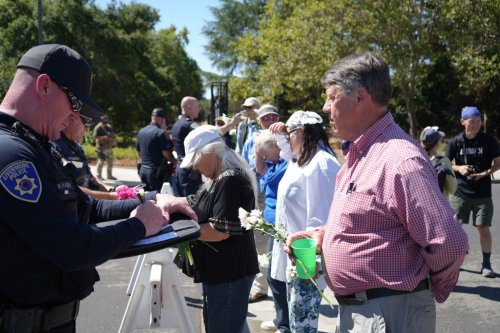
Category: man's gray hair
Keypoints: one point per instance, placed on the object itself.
(366, 70)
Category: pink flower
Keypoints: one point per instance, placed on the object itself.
(124, 192)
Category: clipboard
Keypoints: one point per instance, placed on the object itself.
(181, 230)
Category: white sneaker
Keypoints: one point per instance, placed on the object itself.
(488, 272)
(268, 326)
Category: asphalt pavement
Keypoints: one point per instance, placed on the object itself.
(473, 305)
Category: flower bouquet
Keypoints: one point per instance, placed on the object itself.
(254, 220)
(124, 192)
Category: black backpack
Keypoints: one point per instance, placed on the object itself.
(441, 171)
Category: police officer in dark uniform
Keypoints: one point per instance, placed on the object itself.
(186, 181)
(156, 151)
(75, 161)
(48, 248)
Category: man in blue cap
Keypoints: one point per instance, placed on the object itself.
(476, 157)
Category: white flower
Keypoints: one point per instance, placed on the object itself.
(253, 220)
(263, 260)
(243, 216)
(256, 213)
(291, 273)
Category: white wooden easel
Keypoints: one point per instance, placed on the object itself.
(156, 303)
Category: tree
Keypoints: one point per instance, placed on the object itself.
(474, 45)
(233, 19)
(296, 42)
(135, 68)
(292, 51)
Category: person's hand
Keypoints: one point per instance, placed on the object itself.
(278, 128)
(236, 119)
(480, 175)
(170, 204)
(464, 170)
(243, 114)
(313, 234)
(151, 216)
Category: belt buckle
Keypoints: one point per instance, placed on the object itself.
(358, 299)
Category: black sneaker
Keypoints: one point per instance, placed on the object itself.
(486, 271)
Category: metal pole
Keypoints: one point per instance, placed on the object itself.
(40, 32)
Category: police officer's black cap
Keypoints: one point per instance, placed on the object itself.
(159, 112)
(67, 68)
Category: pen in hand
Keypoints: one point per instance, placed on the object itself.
(140, 194)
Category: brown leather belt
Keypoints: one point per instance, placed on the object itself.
(36, 319)
(355, 299)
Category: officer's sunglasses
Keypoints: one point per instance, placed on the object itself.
(76, 103)
(86, 120)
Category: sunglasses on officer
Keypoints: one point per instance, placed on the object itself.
(76, 103)
(85, 120)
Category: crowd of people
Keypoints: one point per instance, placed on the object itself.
(387, 222)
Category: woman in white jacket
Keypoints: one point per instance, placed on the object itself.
(305, 194)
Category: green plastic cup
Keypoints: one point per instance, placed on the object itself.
(304, 249)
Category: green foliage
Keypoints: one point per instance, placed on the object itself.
(288, 64)
(135, 67)
(442, 54)
(128, 153)
(233, 19)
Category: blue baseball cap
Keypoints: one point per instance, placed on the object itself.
(470, 112)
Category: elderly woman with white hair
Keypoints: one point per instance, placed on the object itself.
(225, 258)
(305, 194)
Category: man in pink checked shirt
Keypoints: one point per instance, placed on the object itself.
(392, 244)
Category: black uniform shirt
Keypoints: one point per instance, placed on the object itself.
(76, 161)
(151, 141)
(478, 152)
(47, 250)
(180, 130)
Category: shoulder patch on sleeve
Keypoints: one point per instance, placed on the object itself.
(20, 179)
(194, 125)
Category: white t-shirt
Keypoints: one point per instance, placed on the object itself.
(304, 198)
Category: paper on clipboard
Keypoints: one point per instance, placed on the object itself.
(165, 233)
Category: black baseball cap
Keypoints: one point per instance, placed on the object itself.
(159, 112)
(67, 68)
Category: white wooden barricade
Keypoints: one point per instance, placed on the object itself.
(156, 303)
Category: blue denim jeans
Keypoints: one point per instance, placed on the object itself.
(225, 305)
